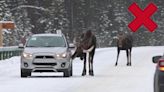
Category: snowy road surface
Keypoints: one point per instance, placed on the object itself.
(108, 78)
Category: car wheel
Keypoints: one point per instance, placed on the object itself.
(156, 85)
(71, 70)
(66, 73)
(25, 73)
(156, 89)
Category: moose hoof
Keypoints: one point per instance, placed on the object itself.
(128, 64)
(91, 73)
(84, 73)
(116, 64)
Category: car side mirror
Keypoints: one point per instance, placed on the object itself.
(21, 46)
(155, 59)
(71, 45)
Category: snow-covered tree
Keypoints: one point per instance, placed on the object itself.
(106, 18)
(6, 15)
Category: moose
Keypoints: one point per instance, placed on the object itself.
(85, 49)
(124, 42)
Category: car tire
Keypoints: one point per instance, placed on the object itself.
(156, 89)
(71, 70)
(67, 73)
(25, 73)
(156, 83)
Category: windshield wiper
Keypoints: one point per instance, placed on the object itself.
(49, 46)
(31, 46)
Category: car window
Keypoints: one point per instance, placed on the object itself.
(46, 41)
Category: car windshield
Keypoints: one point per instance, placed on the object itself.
(46, 41)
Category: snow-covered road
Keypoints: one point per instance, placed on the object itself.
(108, 78)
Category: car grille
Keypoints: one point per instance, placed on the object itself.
(44, 60)
(44, 57)
(52, 64)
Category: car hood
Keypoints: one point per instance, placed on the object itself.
(34, 50)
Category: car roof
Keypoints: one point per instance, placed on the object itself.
(48, 34)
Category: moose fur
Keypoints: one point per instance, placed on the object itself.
(124, 42)
(86, 48)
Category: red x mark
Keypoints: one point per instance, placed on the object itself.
(142, 17)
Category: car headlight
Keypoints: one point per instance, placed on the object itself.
(63, 55)
(27, 55)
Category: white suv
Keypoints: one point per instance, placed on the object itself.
(46, 53)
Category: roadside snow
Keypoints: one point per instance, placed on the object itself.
(108, 78)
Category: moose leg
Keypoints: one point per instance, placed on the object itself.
(89, 62)
(74, 55)
(127, 53)
(130, 55)
(91, 70)
(84, 68)
(118, 52)
(91, 65)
